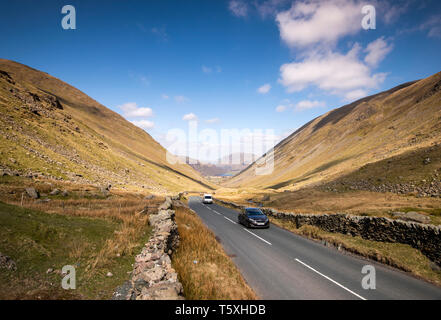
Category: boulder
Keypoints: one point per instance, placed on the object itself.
(7, 263)
(411, 216)
(32, 193)
(55, 192)
(165, 291)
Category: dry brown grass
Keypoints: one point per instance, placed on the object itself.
(87, 201)
(214, 276)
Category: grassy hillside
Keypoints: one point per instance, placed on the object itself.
(97, 232)
(49, 128)
(341, 141)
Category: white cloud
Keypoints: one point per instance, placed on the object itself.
(314, 28)
(190, 117)
(377, 51)
(165, 97)
(281, 108)
(144, 124)
(181, 99)
(238, 8)
(333, 72)
(145, 81)
(206, 69)
(306, 104)
(264, 89)
(432, 26)
(214, 120)
(160, 32)
(391, 11)
(355, 95)
(269, 7)
(312, 22)
(131, 110)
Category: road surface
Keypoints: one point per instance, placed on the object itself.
(278, 264)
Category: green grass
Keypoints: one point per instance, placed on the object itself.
(37, 241)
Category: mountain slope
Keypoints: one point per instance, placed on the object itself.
(404, 118)
(51, 128)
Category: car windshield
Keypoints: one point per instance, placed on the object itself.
(254, 212)
(207, 197)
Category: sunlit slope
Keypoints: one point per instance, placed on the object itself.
(405, 118)
(84, 140)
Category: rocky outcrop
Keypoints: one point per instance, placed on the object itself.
(7, 263)
(424, 237)
(429, 187)
(31, 192)
(153, 277)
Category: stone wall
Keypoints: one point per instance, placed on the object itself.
(424, 237)
(153, 277)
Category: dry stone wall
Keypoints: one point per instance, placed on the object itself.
(153, 277)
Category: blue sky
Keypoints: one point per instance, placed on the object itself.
(264, 64)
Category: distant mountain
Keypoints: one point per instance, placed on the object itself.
(49, 128)
(343, 140)
(225, 166)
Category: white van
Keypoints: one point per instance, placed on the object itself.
(207, 199)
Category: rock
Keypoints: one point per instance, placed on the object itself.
(266, 197)
(165, 291)
(43, 200)
(140, 284)
(166, 205)
(149, 197)
(109, 274)
(55, 192)
(32, 193)
(153, 277)
(411, 216)
(65, 193)
(435, 267)
(427, 161)
(7, 263)
(124, 292)
(50, 270)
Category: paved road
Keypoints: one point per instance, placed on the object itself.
(278, 264)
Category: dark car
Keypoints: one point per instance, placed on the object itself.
(254, 218)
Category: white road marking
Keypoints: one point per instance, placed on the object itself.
(257, 236)
(230, 220)
(211, 209)
(333, 281)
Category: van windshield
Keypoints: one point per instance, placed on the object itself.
(207, 197)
